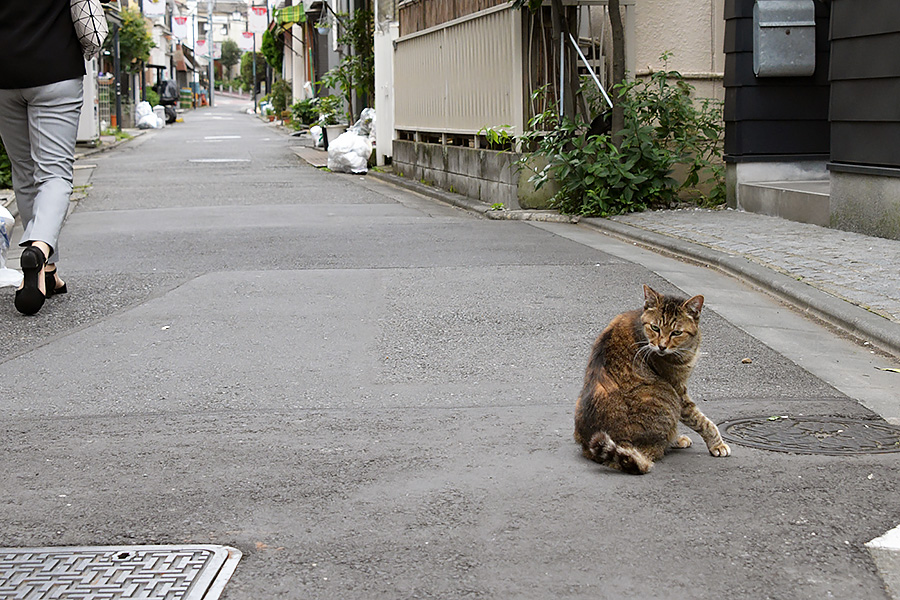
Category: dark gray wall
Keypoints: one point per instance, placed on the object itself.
(773, 118)
(865, 83)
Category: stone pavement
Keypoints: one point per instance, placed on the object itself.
(857, 268)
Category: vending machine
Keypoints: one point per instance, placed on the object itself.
(89, 123)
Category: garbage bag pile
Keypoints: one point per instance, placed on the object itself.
(350, 152)
(145, 118)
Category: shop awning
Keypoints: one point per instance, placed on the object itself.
(287, 16)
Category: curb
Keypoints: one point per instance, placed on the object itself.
(854, 320)
(849, 318)
(134, 133)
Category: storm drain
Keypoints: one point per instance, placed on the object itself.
(813, 435)
(113, 572)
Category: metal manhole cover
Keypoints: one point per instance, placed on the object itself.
(813, 435)
(113, 572)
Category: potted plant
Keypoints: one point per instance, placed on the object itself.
(323, 26)
(305, 112)
(329, 109)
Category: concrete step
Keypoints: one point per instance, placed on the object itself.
(801, 201)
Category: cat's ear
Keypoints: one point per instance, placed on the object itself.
(651, 298)
(693, 306)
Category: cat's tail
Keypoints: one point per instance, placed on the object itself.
(605, 451)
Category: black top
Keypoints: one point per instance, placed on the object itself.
(38, 44)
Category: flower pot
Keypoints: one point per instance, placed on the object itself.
(333, 131)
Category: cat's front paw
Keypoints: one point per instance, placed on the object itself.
(721, 450)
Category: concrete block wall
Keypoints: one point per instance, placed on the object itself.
(486, 175)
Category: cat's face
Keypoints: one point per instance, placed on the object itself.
(671, 326)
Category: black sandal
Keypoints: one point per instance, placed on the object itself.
(30, 298)
(50, 284)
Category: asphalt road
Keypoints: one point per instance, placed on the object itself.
(371, 395)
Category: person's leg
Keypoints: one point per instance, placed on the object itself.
(14, 131)
(53, 112)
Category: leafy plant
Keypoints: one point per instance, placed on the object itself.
(498, 138)
(305, 111)
(247, 69)
(281, 94)
(231, 55)
(151, 96)
(272, 49)
(135, 41)
(328, 107)
(663, 128)
(356, 71)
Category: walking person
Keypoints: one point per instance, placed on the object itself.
(41, 77)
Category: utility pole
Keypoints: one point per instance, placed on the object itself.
(209, 48)
(254, 75)
(117, 68)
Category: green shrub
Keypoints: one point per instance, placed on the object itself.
(281, 95)
(305, 111)
(151, 96)
(663, 128)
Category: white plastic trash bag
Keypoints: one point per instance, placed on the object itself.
(349, 153)
(316, 133)
(145, 117)
(8, 277)
(142, 110)
(365, 126)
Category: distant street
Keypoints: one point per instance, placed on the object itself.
(371, 395)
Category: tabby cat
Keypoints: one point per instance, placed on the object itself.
(635, 386)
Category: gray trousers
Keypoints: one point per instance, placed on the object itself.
(38, 126)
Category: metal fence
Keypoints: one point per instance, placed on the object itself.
(462, 75)
(452, 78)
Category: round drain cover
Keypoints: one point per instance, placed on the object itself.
(813, 435)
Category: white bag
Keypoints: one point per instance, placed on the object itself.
(349, 153)
(90, 26)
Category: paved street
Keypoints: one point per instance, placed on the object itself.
(371, 393)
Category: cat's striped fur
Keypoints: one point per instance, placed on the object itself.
(635, 386)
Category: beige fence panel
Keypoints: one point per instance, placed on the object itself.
(461, 76)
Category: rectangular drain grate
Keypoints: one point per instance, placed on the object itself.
(115, 572)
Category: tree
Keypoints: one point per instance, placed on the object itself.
(356, 71)
(231, 55)
(273, 50)
(247, 69)
(135, 41)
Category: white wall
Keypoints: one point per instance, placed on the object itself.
(385, 34)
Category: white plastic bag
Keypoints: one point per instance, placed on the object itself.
(349, 153)
(365, 126)
(316, 133)
(145, 118)
(8, 277)
(142, 110)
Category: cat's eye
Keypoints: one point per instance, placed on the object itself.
(677, 333)
(654, 328)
